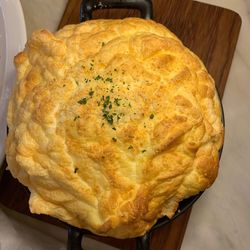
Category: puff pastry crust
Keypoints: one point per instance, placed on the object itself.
(111, 124)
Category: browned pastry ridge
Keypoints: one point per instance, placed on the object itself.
(111, 124)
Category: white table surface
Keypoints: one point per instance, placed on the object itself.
(220, 219)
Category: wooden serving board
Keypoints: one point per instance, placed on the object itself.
(212, 33)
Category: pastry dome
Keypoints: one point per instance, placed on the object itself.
(111, 124)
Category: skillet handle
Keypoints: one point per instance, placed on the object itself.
(143, 242)
(88, 6)
(74, 238)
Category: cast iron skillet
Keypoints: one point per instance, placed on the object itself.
(145, 7)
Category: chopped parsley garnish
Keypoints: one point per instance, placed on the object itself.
(76, 117)
(114, 139)
(75, 170)
(108, 105)
(119, 116)
(106, 101)
(114, 128)
(112, 89)
(144, 150)
(97, 78)
(130, 147)
(91, 93)
(108, 79)
(151, 116)
(117, 101)
(109, 118)
(83, 101)
(77, 83)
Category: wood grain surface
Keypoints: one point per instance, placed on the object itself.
(212, 33)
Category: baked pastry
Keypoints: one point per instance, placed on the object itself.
(111, 124)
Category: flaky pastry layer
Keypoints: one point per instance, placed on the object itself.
(111, 124)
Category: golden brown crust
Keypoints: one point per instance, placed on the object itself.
(112, 123)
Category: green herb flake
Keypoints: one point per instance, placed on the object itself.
(75, 170)
(83, 101)
(117, 101)
(106, 101)
(112, 89)
(77, 83)
(97, 78)
(114, 128)
(114, 139)
(91, 93)
(144, 150)
(109, 118)
(151, 116)
(115, 70)
(103, 43)
(76, 117)
(118, 118)
(130, 147)
(108, 79)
